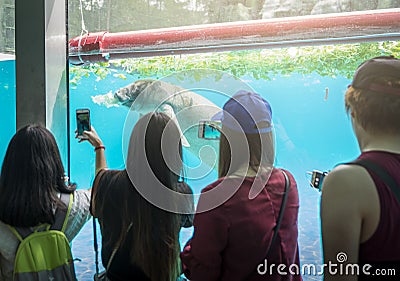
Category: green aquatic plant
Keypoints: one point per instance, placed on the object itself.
(325, 60)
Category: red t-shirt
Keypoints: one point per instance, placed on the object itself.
(231, 241)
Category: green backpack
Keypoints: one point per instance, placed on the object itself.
(45, 253)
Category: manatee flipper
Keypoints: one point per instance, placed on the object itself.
(167, 109)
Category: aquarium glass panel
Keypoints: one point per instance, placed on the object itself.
(57, 112)
(56, 77)
(304, 85)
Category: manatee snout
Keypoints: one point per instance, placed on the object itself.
(124, 95)
(127, 95)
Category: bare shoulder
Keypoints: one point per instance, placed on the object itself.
(349, 206)
(351, 179)
(351, 188)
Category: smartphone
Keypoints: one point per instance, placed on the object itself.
(209, 130)
(82, 121)
(317, 178)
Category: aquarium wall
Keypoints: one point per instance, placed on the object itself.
(304, 85)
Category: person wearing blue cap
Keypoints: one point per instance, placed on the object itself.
(247, 219)
(360, 206)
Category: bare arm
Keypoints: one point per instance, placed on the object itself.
(341, 217)
(94, 192)
(94, 139)
(100, 160)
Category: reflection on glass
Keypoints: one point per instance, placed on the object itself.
(7, 26)
(126, 15)
(209, 130)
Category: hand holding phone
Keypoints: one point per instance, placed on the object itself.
(209, 130)
(82, 122)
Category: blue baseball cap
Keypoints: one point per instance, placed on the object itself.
(249, 111)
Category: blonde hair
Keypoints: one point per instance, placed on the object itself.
(376, 112)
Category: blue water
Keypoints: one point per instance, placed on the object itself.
(312, 132)
(7, 104)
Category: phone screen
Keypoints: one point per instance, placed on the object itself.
(210, 130)
(82, 121)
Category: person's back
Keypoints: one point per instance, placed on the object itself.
(118, 206)
(383, 247)
(237, 215)
(244, 229)
(31, 183)
(140, 238)
(45, 253)
(9, 242)
(359, 210)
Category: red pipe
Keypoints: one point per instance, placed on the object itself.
(101, 46)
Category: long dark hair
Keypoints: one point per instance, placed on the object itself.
(154, 235)
(31, 175)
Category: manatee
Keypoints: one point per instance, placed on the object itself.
(187, 108)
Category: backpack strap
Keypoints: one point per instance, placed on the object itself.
(97, 179)
(17, 233)
(22, 232)
(281, 211)
(60, 223)
(61, 216)
(381, 172)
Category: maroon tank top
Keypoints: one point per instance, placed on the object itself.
(384, 245)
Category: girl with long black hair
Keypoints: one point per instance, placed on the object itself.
(31, 182)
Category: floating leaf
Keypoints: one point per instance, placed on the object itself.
(329, 60)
